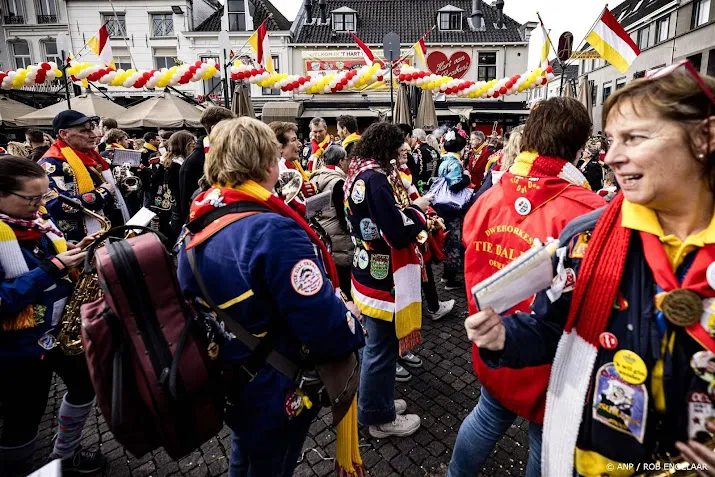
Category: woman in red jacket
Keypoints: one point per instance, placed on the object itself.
(535, 199)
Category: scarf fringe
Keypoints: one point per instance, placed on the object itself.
(348, 462)
(408, 342)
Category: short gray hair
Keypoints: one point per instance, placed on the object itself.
(480, 135)
(419, 134)
(333, 155)
(317, 121)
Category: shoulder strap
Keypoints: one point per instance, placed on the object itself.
(279, 362)
(200, 223)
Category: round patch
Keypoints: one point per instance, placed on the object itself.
(682, 307)
(703, 365)
(608, 341)
(306, 278)
(522, 206)
(710, 275)
(630, 367)
(358, 194)
(363, 259)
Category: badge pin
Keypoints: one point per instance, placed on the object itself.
(522, 206)
(47, 342)
(682, 307)
(710, 275)
(293, 404)
(700, 411)
(608, 341)
(703, 365)
(630, 367)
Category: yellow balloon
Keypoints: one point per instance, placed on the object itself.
(58, 73)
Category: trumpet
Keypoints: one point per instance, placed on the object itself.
(126, 179)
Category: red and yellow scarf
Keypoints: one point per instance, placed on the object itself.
(80, 163)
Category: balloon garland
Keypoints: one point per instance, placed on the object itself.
(32, 75)
(176, 75)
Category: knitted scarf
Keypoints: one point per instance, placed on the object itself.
(317, 150)
(405, 305)
(590, 311)
(13, 261)
(531, 164)
(353, 137)
(348, 462)
(150, 147)
(114, 145)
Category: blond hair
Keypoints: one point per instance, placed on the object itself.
(242, 149)
(16, 149)
(513, 147)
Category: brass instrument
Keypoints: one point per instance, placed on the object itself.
(86, 290)
(127, 181)
(675, 466)
(289, 187)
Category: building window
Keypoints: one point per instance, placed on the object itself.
(162, 24)
(642, 40)
(164, 62)
(697, 61)
(236, 15)
(487, 69)
(116, 24)
(21, 52)
(123, 62)
(701, 13)
(344, 21)
(46, 11)
(662, 27)
(450, 21)
(606, 92)
(13, 12)
(711, 63)
(51, 52)
(273, 91)
(620, 83)
(594, 94)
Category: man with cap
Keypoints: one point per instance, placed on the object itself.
(76, 170)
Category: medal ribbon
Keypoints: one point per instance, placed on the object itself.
(695, 279)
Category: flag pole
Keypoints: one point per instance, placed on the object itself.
(124, 34)
(421, 38)
(238, 53)
(588, 32)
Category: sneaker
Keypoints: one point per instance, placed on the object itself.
(84, 461)
(452, 285)
(400, 406)
(444, 308)
(402, 426)
(402, 375)
(411, 360)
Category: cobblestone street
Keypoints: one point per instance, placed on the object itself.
(442, 392)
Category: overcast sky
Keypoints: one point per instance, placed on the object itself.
(558, 16)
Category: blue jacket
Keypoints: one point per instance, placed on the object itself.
(257, 264)
(45, 287)
(531, 340)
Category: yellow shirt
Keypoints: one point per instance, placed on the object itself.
(641, 218)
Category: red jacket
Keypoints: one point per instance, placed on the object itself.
(494, 234)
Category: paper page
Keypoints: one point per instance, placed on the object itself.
(127, 156)
(142, 218)
(318, 203)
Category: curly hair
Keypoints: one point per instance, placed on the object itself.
(381, 142)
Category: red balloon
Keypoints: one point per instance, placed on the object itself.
(496, 94)
(302, 80)
(254, 72)
(333, 90)
(380, 78)
(549, 69)
(448, 91)
(408, 77)
(509, 84)
(344, 81)
(503, 90)
(198, 63)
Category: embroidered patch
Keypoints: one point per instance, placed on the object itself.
(60, 183)
(213, 198)
(379, 266)
(700, 411)
(363, 259)
(65, 226)
(67, 170)
(306, 278)
(358, 194)
(69, 209)
(522, 206)
(351, 322)
(39, 314)
(49, 167)
(47, 341)
(52, 194)
(708, 319)
(703, 365)
(406, 221)
(618, 404)
(570, 277)
(368, 230)
(578, 245)
(89, 198)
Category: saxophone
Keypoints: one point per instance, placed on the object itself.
(86, 290)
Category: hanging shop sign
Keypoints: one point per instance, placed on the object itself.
(456, 66)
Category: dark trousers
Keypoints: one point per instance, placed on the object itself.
(24, 388)
(344, 274)
(429, 288)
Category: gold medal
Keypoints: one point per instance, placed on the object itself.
(682, 307)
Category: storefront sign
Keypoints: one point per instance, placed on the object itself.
(456, 66)
(324, 63)
(585, 55)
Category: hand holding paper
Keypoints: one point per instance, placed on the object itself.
(486, 330)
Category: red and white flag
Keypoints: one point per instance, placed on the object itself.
(101, 46)
(613, 42)
(366, 51)
(262, 46)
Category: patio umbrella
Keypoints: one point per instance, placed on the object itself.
(11, 109)
(584, 95)
(242, 104)
(401, 114)
(426, 115)
(163, 111)
(88, 104)
(568, 91)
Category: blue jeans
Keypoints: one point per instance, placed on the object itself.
(479, 433)
(278, 458)
(376, 396)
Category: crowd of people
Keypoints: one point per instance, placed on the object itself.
(600, 363)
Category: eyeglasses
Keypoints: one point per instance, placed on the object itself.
(668, 70)
(37, 198)
(87, 127)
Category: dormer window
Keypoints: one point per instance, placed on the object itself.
(344, 19)
(450, 18)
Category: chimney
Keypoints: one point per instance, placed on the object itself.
(500, 13)
(477, 15)
(308, 4)
(323, 12)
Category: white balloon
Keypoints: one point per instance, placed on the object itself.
(51, 75)
(326, 89)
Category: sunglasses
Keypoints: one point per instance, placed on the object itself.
(34, 200)
(668, 70)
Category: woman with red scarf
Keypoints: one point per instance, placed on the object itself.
(629, 321)
(76, 170)
(34, 261)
